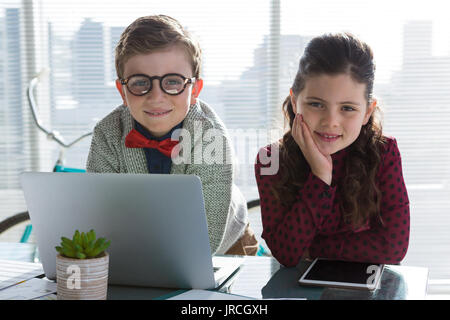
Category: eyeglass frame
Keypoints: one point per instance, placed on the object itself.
(186, 81)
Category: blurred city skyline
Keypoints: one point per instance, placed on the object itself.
(82, 76)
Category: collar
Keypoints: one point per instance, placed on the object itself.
(142, 130)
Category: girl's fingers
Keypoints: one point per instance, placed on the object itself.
(320, 164)
(307, 138)
(297, 131)
(294, 126)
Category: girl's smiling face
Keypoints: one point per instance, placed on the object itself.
(335, 108)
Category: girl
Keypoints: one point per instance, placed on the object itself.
(339, 193)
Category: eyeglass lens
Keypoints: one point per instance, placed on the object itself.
(171, 84)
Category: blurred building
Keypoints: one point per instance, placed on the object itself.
(11, 91)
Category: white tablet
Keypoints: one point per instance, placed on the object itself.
(342, 274)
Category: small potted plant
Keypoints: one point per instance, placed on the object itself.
(82, 267)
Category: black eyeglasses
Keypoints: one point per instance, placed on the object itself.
(171, 83)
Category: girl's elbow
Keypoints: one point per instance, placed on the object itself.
(286, 261)
(284, 257)
(395, 254)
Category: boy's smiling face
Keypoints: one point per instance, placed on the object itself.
(157, 111)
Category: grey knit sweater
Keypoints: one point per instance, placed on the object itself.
(225, 206)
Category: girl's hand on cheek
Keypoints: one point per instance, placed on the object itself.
(321, 165)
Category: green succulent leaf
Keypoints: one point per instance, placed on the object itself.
(66, 240)
(99, 242)
(67, 247)
(84, 240)
(106, 245)
(90, 247)
(68, 253)
(83, 245)
(96, 252)
(80, 255)
(91, 235)
(77, 238)
(77, 247)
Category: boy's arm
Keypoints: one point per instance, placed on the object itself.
(217, 187)
(102, 157)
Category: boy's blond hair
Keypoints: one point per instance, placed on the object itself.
(151, 33)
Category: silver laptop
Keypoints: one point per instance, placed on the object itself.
(156, 223)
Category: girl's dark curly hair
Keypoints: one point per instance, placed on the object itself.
(334, 54)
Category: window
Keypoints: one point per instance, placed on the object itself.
(251, 51)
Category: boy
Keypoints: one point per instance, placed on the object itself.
(158, 68)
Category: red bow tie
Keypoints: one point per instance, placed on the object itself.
(136, 140)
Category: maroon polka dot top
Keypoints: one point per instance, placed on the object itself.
(314, 223)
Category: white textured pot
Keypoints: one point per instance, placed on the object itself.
(82, 279)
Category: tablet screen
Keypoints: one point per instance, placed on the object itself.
(341, 271)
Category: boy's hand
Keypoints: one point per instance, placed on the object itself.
(321, 165)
